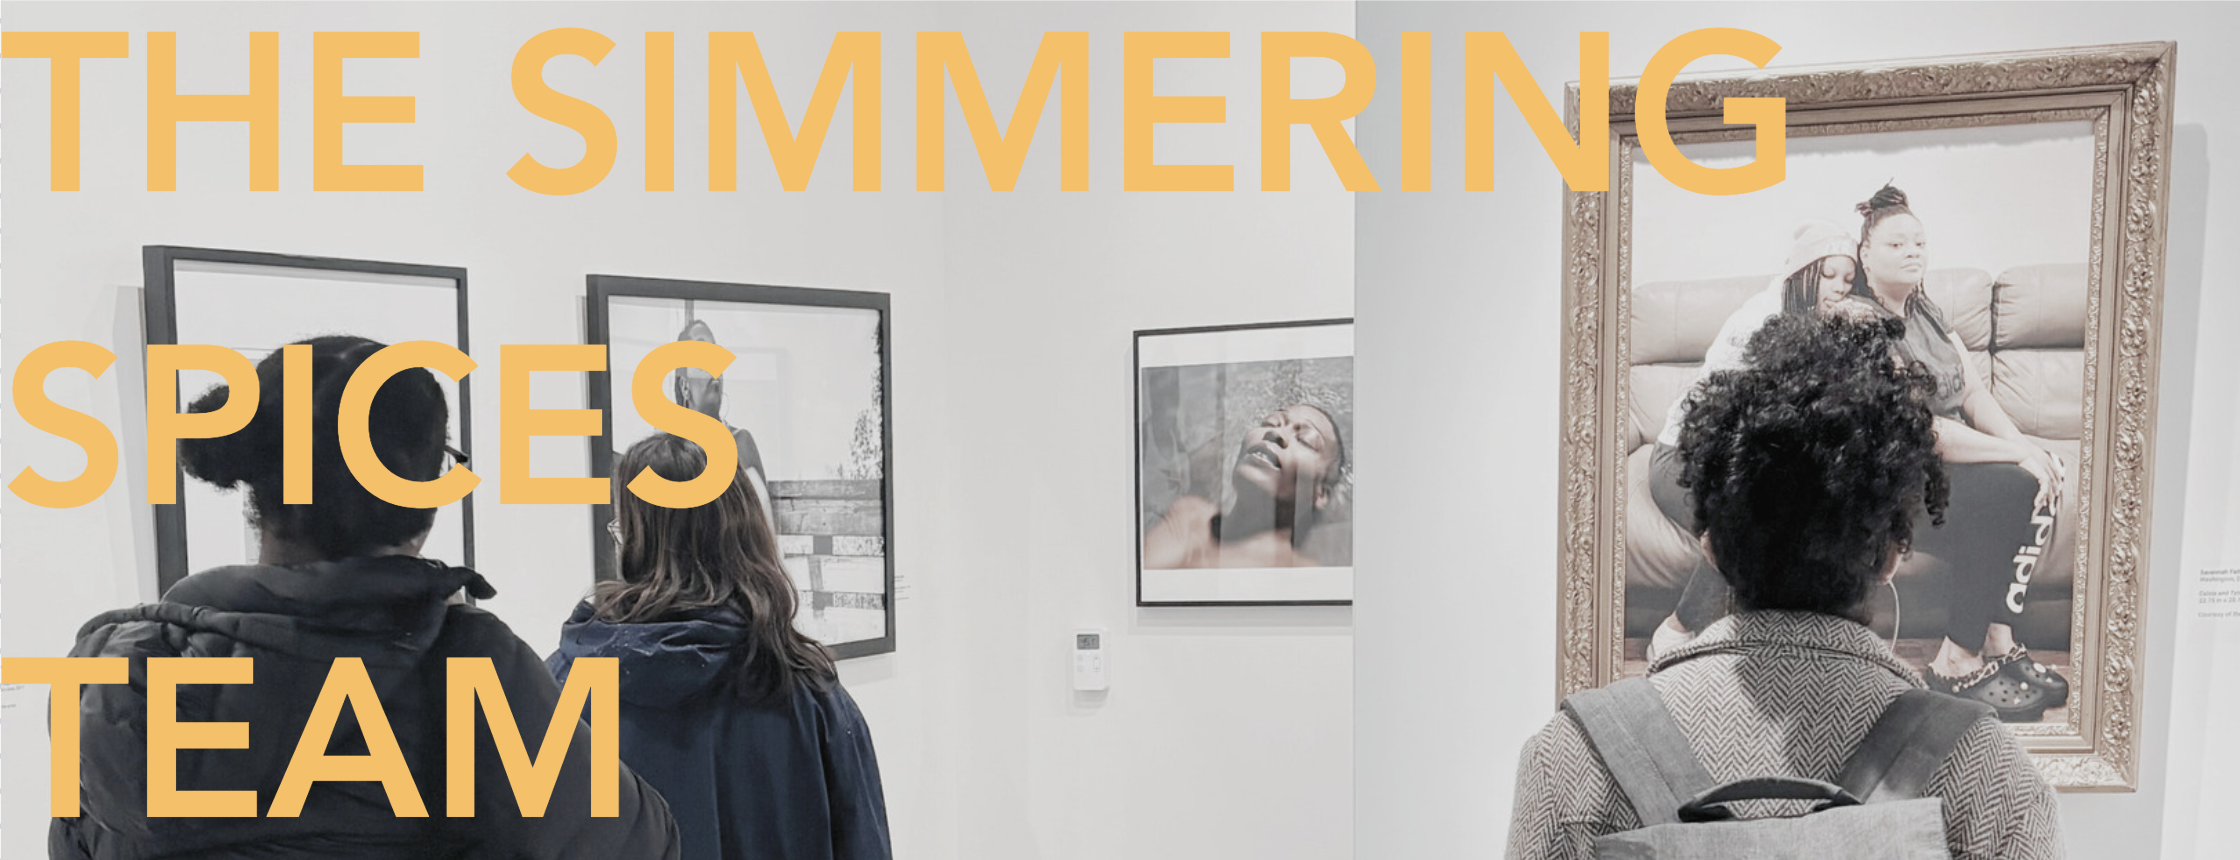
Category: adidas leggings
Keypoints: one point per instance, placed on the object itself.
(1990, 542)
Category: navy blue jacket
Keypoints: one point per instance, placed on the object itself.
(790, 779)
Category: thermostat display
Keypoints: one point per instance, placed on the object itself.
(1089, 661)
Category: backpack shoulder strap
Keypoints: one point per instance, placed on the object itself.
(1906, 745)
(1647, 754)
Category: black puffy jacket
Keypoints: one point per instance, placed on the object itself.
(392, 613)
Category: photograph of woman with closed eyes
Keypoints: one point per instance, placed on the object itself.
(1244, 465)
(1284, 477)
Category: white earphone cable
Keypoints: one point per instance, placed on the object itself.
(1897, 613)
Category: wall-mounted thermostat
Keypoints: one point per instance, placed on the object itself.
(1088, 660)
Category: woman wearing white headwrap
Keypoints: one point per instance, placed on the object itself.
(1818, 279)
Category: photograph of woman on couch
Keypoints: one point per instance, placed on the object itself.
(2007, 488)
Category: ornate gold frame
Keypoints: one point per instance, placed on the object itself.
(2126, 92)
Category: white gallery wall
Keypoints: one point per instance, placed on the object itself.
(1455, 659)
(1227, 732)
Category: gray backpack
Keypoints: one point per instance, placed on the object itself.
(1874, 811)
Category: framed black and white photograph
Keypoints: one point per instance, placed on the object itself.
(1979, 240)
(1244, 464)
(256, 303)
(806, 401)
(2008, 209)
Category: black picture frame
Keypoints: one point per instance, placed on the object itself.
(600, 290)
(1136, 479)
(159, 319)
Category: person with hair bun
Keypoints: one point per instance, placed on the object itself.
(2006, 488)
(338, 578)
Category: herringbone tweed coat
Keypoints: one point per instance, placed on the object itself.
(1782, 694)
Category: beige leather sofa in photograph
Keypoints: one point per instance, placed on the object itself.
(2024, 329)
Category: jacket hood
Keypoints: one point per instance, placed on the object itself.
(662, 663)
(391, 612)
(298, 609)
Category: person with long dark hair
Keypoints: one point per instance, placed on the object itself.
(737, 717)
(339, 577)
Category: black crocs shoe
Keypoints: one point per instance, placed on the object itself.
(2016, 699)
(2020, 667)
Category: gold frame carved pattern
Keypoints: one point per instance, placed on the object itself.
(2126, 92)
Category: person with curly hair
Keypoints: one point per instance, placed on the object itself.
(1818, 279)
(1811, 468)
(2006, 489)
